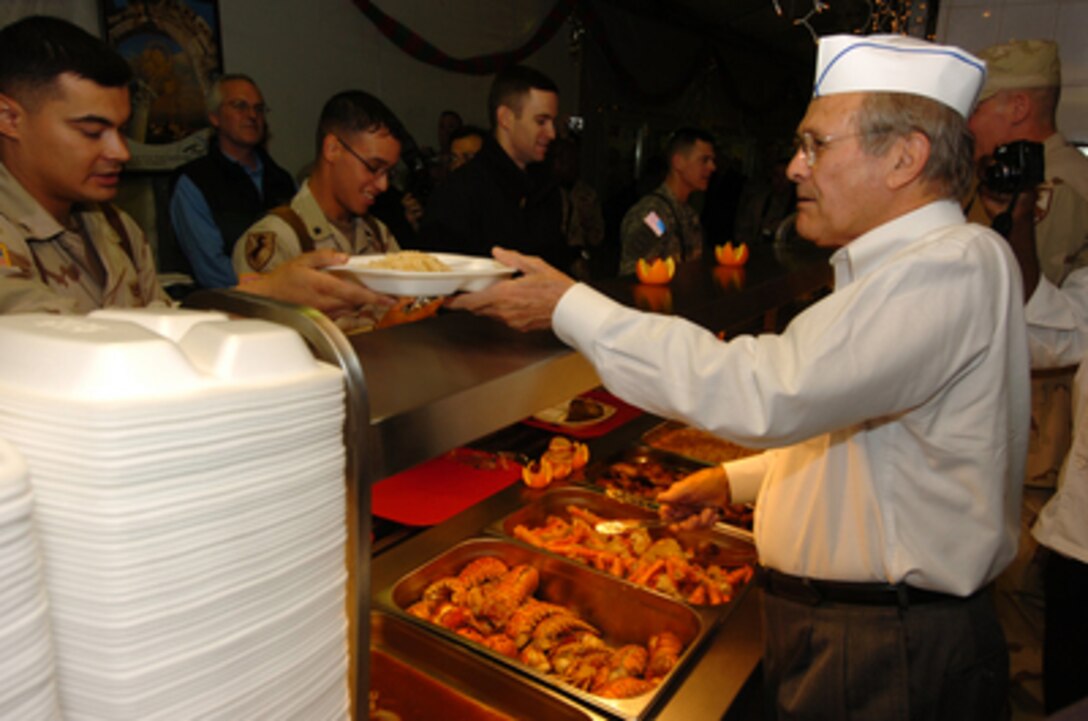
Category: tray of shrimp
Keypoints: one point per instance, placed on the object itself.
(605, 643)
(707, 569)
(639, 473)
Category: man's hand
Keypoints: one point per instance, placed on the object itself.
(996, 203)
(301, 280)
(697, 500)
(523, 303)
(1019, 231)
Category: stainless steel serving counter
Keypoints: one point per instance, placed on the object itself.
(452, 378)
(419, 390)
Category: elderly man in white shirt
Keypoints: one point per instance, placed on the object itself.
(898, 404)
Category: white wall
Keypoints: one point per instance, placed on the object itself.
(975, 24)
(301, 52)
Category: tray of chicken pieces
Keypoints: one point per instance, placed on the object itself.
(637, 474)
(707, 569)
(605, 643)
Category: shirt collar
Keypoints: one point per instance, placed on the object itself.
(305, 204)
(22, 209)
(1054, 143)
(256, 172)
(869, 251)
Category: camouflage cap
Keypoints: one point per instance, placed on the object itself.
(1020, 64)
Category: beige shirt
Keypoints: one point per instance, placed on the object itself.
(271, 241)
(45, 267)
(1061, 215)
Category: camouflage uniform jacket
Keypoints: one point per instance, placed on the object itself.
(45, 267)
(681, 236)
(1061, 216)
(271, 241)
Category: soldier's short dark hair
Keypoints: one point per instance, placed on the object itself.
(512, 85)
(682, 140)
(36, 50)
(352, 111)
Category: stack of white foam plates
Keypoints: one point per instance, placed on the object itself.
(28, 689)
(188, 472)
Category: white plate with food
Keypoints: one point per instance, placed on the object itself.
(412, 272)
(578, 412)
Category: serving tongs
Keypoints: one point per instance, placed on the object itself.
(617, 526)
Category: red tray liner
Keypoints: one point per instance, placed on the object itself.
(624, 413)
(440, 488)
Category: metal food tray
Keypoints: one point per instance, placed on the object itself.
(462, 673)
(732, 546)
(652, 438)
(622, 612)
(638, 455)
(642, 454)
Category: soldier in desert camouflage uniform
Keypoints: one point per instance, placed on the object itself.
(63, 248)
(358, 143)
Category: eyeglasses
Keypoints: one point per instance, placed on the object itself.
(374, 170)
(811, 146)
(243, 107)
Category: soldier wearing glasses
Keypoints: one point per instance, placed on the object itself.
(358, 144)
(218, 196)
(896, 408)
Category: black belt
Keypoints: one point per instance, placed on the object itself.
(813, 592)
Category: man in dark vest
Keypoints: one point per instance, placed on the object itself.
(218, 196)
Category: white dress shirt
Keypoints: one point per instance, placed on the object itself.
(899, 403)
(1058, 333)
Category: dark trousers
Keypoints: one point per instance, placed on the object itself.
(1065, 640)
(927, 662)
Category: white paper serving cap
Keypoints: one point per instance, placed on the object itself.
(898, 64)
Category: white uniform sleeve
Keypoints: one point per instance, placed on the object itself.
(1058, 321)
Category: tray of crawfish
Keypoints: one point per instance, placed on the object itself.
(417, 675)
(707, 569)
(637, 474)
(609, 645)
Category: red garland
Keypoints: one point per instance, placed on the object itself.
(416, 46)
(424, 51)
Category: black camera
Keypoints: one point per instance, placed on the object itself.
(1014, 167)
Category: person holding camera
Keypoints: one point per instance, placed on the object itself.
(1019, 103)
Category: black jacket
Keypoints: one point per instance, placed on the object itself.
(231, 195)
(491, 201)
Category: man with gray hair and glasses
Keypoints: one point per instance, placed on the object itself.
(895, 409)
(217, 197)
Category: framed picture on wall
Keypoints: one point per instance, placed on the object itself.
(175, 52)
